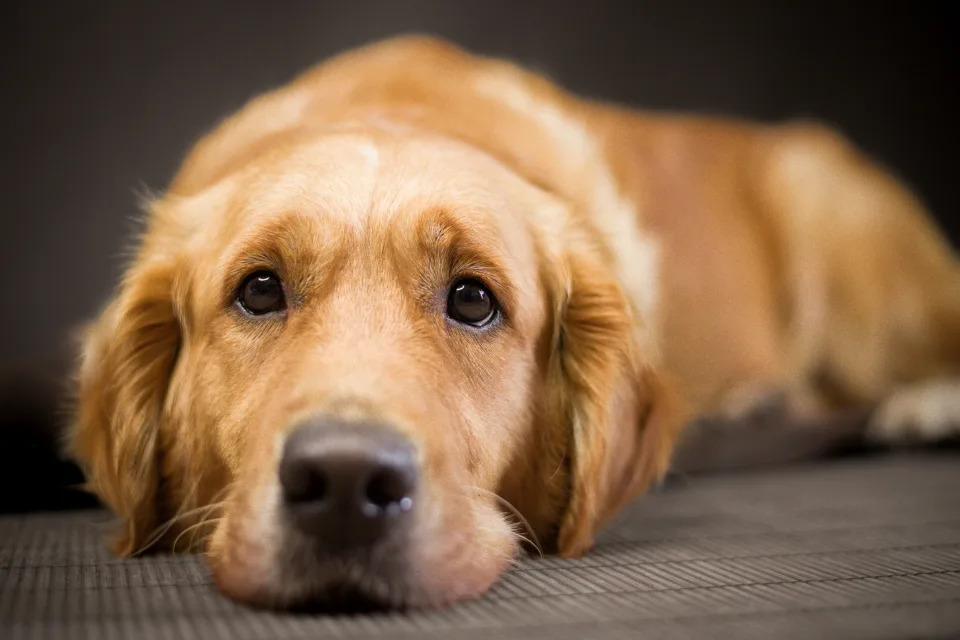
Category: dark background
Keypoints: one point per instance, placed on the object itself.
(102, 99)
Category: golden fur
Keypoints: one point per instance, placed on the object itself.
(651, 269)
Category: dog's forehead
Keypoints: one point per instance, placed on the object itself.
(337, 194)
(365, 179)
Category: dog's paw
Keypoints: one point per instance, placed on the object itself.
(927, 412)
(751, 403)
(759, 403)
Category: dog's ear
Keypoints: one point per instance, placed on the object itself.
(127, 358)
(619, 413)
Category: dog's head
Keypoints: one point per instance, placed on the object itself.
(335, 365)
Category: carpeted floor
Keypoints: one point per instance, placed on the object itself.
(858, 547)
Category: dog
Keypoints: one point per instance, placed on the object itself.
(419, 309)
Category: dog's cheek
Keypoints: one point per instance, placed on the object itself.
(236, 565)
(244, 549)
(475, 547)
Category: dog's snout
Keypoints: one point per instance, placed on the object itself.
(347, 484)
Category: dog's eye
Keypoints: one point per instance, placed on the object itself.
(261, 293)
(471, 303)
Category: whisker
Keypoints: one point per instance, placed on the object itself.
(206, 516)
(202, 542)
(520, 536)
(158, 533)
(165, 527)
(154, 536)
(216, 498)
(556, 471)
(535, 542)
(194, 527)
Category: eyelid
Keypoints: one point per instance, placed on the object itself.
(497, 315)
(238, 302)
(492, 283)
(238, 273)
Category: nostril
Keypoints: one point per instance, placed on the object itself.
(388, 489)
(303, 483)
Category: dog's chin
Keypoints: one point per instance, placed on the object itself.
(347, 598)
(355, 592)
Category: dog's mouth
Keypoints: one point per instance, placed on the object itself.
(351, 595)
(336, 586)
(371, 579)
(284, 569)
(308, 585)
(277, 568)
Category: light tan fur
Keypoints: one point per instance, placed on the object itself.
(652, 269)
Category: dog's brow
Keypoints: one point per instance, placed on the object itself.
(462, 243)
(290, 242)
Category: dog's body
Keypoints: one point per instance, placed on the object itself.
(650, 270)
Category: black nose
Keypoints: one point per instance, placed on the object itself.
(347, 484)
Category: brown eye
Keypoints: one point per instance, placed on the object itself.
(471, 303)
(261, 293)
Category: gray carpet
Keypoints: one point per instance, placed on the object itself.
(861, 547)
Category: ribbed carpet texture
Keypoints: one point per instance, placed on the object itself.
(851, 548)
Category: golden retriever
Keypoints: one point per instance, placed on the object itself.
(415, 298)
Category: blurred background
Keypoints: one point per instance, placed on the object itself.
(103, 99)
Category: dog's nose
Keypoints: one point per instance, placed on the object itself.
(347, 484)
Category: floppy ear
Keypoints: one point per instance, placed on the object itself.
(620, 414)
(128, 355)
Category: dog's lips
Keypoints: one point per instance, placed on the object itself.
(300, 574)
(363, 591)
(343, 589)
